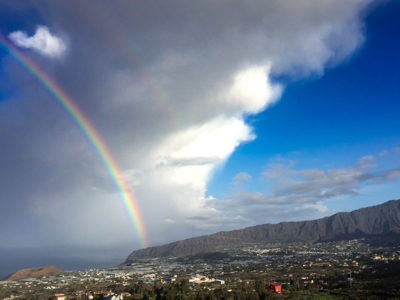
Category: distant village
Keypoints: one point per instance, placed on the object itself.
(346, 269)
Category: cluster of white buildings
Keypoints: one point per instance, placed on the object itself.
(199, 279)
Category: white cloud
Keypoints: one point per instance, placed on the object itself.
(241, 177)
(252, 91)
(42, 41)
(299, 194)
(188, 157)
(312, 186)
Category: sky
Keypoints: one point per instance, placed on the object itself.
(219, 115)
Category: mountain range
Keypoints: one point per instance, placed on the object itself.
(380, 222)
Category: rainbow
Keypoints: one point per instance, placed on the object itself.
(90, 132)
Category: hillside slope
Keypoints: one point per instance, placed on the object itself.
(34, 273)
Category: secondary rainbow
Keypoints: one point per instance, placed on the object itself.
(88, 129)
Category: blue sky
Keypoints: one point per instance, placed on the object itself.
(220, 115)
(332, 120)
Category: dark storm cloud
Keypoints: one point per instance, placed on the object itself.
(145, 74)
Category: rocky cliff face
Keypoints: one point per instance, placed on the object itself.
(374, 221)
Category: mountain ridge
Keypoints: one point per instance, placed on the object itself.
(373, 222)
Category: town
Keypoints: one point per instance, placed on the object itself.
(345, 270)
